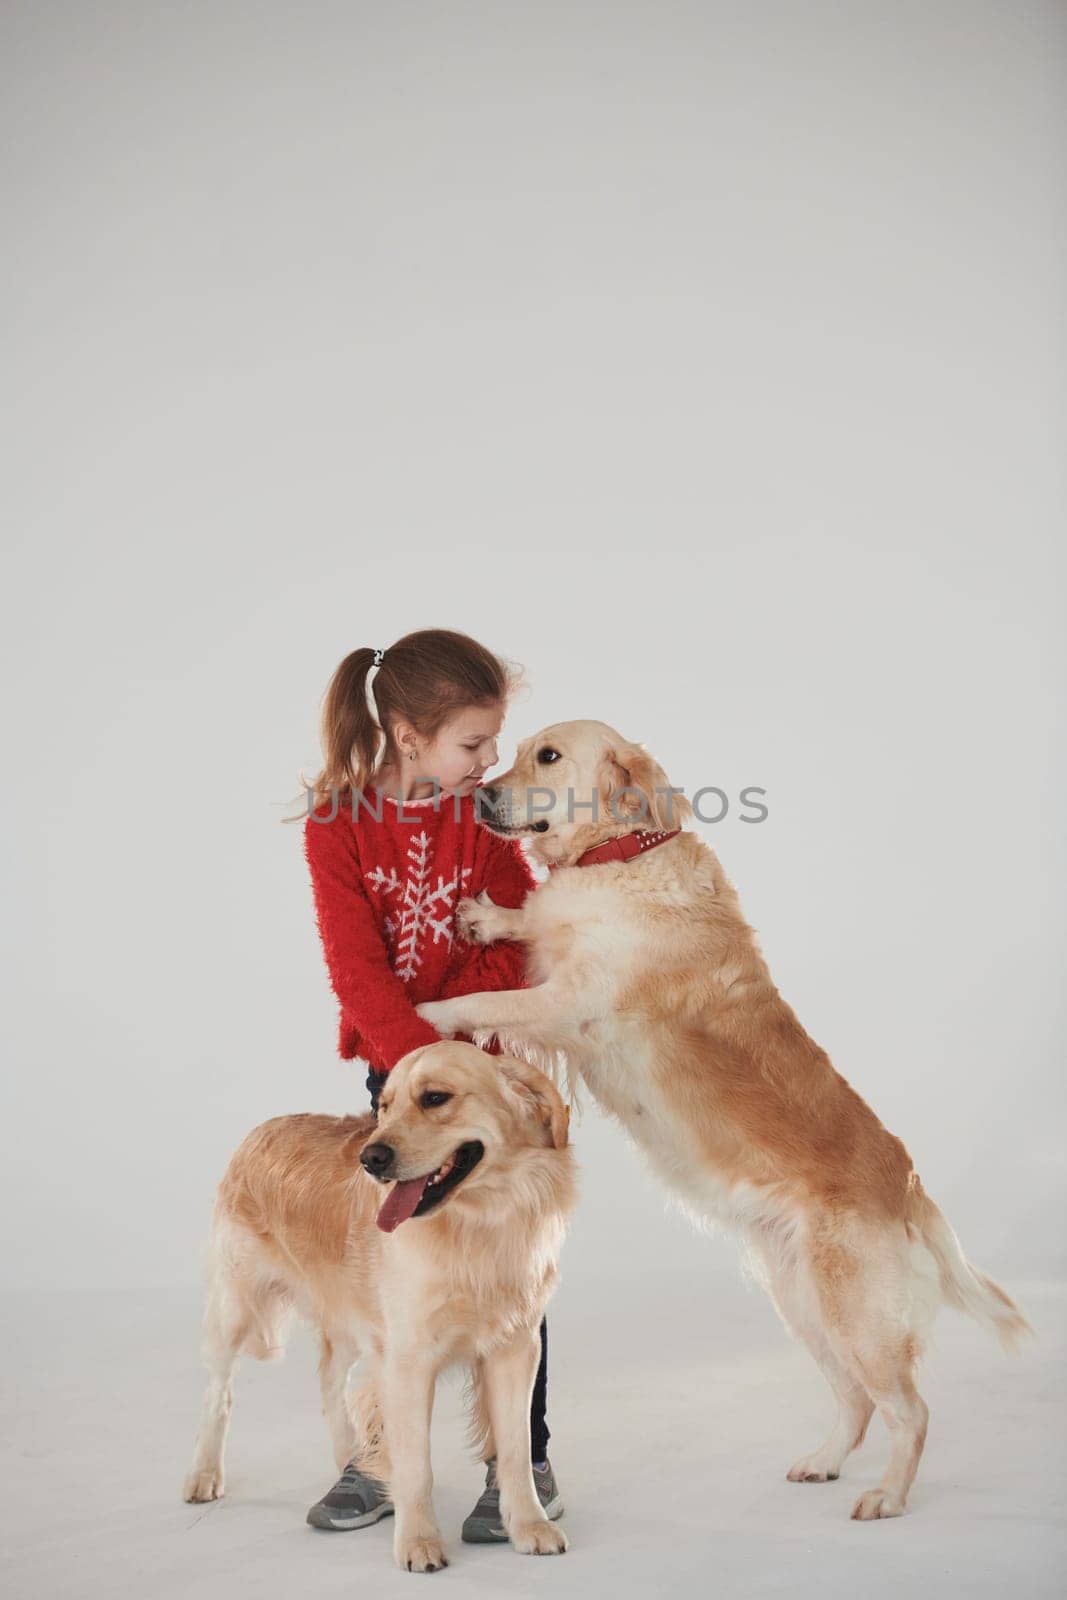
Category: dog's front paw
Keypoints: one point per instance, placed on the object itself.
(441, 1014)
(476, 919)
(420, 1552)
(539, 1539)
(205, 1483)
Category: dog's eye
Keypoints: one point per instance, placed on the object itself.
(433, 1097)
(546, 755)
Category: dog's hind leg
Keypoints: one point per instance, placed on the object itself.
(887, 1368)
(227, 1322)
(854, 1411)
(875, 1311)
(337, 1354)
(793, 1297)
(244, 1312)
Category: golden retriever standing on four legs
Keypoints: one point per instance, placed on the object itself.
(645, 975)
(456, 1263)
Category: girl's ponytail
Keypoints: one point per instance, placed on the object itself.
(348, 733)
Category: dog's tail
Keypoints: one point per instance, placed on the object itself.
(962, 1285)
(371, 1446)
(479, 1438)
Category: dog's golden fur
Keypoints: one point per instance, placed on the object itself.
(646, 979)
(295, 1228)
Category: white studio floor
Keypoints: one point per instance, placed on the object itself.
(675, 1414)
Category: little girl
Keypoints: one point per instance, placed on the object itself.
(390, 858)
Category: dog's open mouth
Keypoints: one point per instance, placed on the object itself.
(413, 1197)
(509, 829)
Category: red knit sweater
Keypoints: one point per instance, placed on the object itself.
(385, 894)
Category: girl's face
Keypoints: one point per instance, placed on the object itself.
(464, 750)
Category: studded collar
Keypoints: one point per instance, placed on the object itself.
(623, 848)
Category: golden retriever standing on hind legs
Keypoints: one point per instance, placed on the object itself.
(644, 974)
(456, 1264)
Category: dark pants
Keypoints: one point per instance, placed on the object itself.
(539, 1431)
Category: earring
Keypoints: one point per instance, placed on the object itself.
(411, 755)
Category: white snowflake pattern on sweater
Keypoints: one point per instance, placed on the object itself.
(425, 907)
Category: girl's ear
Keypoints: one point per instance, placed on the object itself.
(540, 1098)
(630, 767)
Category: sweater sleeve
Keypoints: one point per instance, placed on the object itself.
(369, 991)
(505, 873)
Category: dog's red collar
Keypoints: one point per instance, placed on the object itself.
(624, 848)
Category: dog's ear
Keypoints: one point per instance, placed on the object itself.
(629, 767)
(538, 1095)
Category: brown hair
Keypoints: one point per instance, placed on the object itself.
(425, 678)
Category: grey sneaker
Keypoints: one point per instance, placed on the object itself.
(355, 1501)
(484, 1526)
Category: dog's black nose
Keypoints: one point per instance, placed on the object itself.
(377, 1159)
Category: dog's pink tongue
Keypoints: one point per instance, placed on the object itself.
(402, 1199)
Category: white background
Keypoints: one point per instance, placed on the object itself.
(705, 359)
